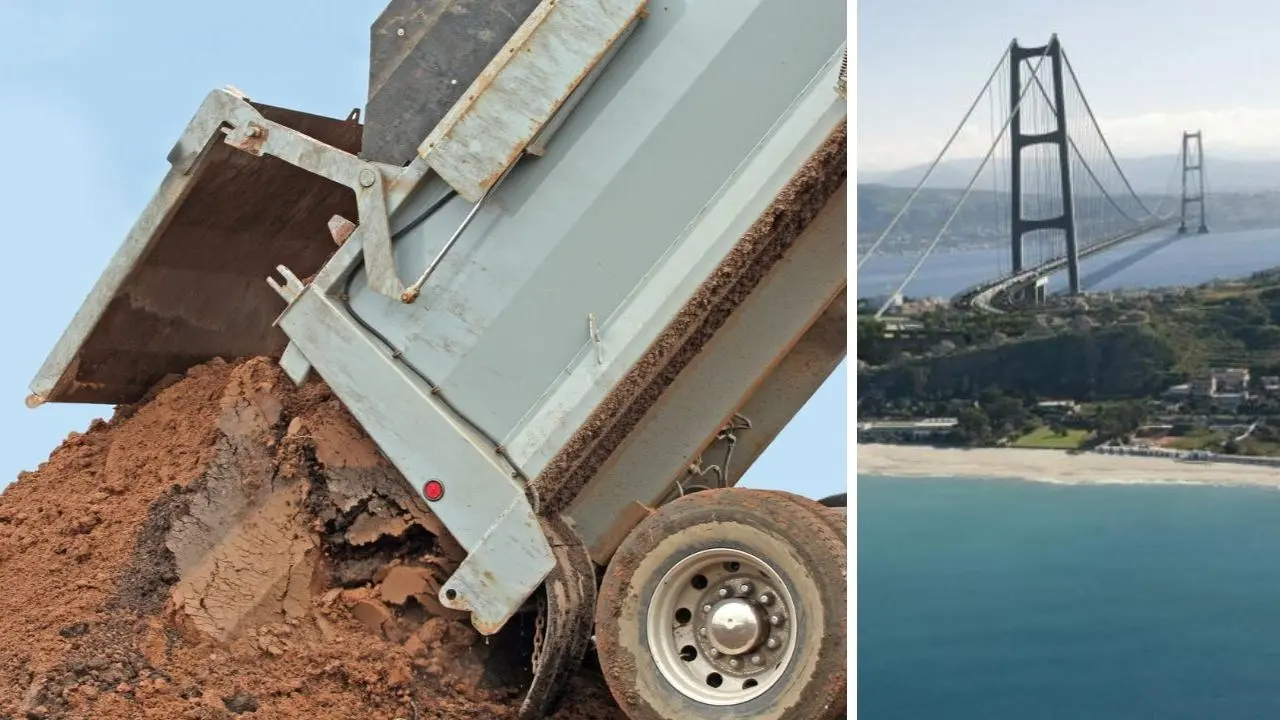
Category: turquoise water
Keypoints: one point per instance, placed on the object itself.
(1004, 599)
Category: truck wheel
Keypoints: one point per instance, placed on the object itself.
(728, 604)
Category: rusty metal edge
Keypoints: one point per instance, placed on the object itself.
(763, 245)
(444, 135)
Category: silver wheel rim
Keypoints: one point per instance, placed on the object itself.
(721, 627)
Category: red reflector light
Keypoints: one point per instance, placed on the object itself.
(433, 490)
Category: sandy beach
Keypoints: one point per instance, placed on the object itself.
(1052, 466)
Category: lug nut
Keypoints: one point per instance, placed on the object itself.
(702, 632)
(713, 653)
(724, 592)
(735, 663)
(757, 660)
(706, 608)
(766, 599)
(745, 588)
(775, 619)
(772, 644)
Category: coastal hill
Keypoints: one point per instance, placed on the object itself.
(1135, 355)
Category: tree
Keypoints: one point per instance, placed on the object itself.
(1200, 405)
(872, 346)
(1006, 414)
(973, 427)
(1236, 313)
(1259, 337)
(1120, 419)
(919, 382)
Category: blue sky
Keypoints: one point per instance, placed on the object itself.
(92, 97)
(1150, 69)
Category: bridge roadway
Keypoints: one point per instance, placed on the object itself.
(991, 295)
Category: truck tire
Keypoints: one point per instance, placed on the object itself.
(728, 604)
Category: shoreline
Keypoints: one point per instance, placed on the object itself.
(1054, 466)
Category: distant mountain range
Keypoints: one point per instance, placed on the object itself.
(1147, 174)
(982, 220)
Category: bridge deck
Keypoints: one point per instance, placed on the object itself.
(987, 296)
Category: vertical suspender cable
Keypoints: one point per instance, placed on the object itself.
(1088, 169)
(1093, 119)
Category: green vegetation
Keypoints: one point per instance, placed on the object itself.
(1199, 439)
(996, 417)
(1055, 439)
(1103, 349)
(1221, 326)
(872, 345)
(1117, 420)
(974, 428)
(1119, 362)
(1115, 357)
(1264, 440)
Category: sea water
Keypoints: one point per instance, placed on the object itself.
(1156, 259)
(1001, 599)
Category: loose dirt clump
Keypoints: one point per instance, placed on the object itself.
(233, 546)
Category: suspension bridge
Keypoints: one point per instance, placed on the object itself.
(1050, 181)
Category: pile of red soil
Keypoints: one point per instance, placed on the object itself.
(235, 546)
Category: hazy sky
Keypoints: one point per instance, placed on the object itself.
(1149, 68)
(93, 96)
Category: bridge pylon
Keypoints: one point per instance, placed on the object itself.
(1192, 165)
(1018, 141)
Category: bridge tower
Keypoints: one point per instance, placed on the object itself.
(1018, 141)
(1192, 163)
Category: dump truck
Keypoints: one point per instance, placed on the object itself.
(573, 267)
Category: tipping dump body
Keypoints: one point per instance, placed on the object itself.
(187, 283)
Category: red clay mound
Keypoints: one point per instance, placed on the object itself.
(235, 546)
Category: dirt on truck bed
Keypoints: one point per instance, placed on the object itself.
(235, 546)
